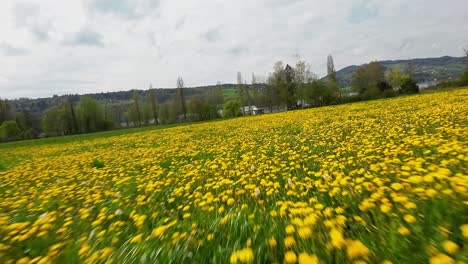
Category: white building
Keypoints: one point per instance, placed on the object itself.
(252, 110)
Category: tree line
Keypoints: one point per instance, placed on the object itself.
(292, 87)
(84, 114)
(286, 88)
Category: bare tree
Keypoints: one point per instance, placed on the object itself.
(181, 98)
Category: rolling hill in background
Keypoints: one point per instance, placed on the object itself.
(427, 71)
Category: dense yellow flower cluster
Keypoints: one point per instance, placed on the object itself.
(372, 182)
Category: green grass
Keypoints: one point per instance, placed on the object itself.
(230, 94)
(81, 137)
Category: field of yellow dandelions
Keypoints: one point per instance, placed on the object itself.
(374, 182)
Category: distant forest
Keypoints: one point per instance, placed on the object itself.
(286, 88)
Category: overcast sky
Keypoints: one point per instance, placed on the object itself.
(52, 47)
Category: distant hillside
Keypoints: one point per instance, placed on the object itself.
(426, 70)
(39, 105)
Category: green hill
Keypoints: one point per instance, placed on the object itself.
(427, 70)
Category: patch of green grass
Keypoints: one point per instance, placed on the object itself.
(230, 94)
(98, 164)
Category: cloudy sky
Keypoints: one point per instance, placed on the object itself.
(84, 46)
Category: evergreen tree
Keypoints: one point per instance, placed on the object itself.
(331, 73)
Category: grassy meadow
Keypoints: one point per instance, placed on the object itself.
(382, 181)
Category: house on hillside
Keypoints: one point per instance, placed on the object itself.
(252, 110)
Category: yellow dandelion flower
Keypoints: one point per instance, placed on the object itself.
(337, 239)
(137, 239)
(441, 259)
(289, 242)
(356, 249)
(450, 247)
(304, 232)
(290, 229)
(272, 242)
(305, 258)
(44, 260)
(385, 208)
(84, 250)
(242, 256)
(290, 257)
(230, 201)
(187, 215)
(409, 218)
(24, 260)
(403, 230)
(106, 252)
(464, 229)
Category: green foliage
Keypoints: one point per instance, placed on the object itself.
(59, 120)
(290, 91)
(409, 87)
(332, 94)
(49, 123)
(199, 109)
(164, 113)
(401, 81)
(15, 129)
(215, 97)
(276, 86)
(232, 109)
(135, 112)
(98, 164)
(154, 102)
(5, 110)
(9, 130)
(367, 78)
(370, 82)
(389, 93)
(463, 80)
(371, 92)
(321, 92)
(91, 115)
(316, 92)
(396, 78)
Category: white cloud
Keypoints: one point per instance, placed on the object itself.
(85, 37)
(126, 44)
(9, 50)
